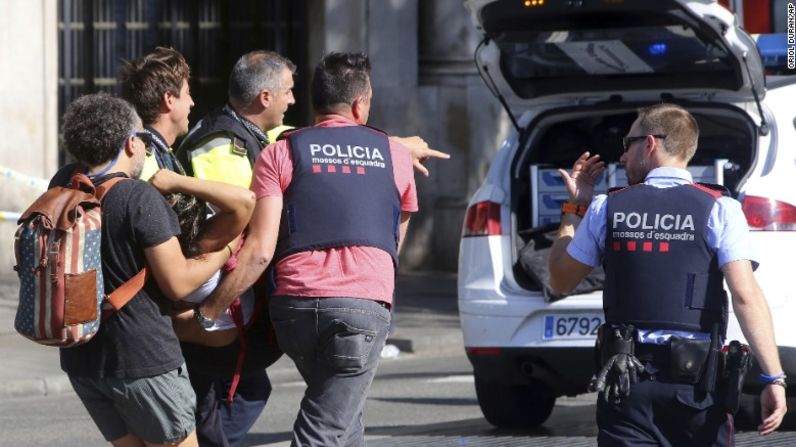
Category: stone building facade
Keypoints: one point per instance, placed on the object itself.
(424, 82)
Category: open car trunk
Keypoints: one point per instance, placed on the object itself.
(725, 153)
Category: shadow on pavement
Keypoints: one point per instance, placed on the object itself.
(428, 400)
(258, 439)
(564, 423)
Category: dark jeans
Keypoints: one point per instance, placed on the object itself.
(661, 413)
(336, 344)
(220, 424)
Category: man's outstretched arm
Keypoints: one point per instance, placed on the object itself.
(253, 258)
(420, 152)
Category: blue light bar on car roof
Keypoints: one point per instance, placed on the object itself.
(657, 49)
(773, 49)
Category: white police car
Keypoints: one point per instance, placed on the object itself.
(573, 73)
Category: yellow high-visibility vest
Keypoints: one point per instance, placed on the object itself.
(150, 167)
(274, 133)
(221, 160)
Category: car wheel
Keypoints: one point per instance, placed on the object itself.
(514, 406)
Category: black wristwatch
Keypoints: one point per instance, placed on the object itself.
(205, 322)
(781, 382)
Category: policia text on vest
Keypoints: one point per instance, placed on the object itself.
(347, 155)
(342, 162)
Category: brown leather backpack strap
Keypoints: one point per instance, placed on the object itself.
(81, 182)
(106, 186)
(124, 293)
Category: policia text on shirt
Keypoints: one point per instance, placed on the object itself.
(667, 249)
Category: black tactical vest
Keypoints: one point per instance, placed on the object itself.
(342, 193)
(214, 122)
(660, 270)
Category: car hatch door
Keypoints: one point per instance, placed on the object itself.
(555, 51)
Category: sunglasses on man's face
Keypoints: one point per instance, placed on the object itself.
(146, 137)
(627, 141)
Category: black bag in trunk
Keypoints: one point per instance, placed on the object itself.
(533, 259)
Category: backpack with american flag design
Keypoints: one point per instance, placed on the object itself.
(57, 246)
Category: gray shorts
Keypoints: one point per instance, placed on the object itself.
(158, 409)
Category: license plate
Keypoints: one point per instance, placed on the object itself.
(571, 326)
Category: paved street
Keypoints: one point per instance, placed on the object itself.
(415, 401)
(430, 401)
(421, 399)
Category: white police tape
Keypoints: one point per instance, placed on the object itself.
(38, 184)
(9, 216)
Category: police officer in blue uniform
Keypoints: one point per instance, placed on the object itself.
(667, 244)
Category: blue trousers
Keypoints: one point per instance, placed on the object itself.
(336, 345)
(220, 424)
(661, 413)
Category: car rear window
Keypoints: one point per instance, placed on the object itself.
(563, 47)
(625, 51)
(537, 63)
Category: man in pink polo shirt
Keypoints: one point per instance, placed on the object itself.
(333, 205)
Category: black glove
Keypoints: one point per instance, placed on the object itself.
(615, 377)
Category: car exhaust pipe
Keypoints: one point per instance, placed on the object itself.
(526, 368)
(537, 371)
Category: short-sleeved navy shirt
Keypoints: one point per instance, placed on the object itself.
(138, 341)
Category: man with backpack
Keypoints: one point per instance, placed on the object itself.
(131, 376)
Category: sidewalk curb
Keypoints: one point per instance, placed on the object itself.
(426, 324)
(46, 386)
(428, 344)
(59, 383)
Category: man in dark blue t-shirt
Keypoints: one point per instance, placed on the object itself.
(131, 376)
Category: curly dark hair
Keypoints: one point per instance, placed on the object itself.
(145, 80)
(339, 79)
(192, 216)
(95, 127)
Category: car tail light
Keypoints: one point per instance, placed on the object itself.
(490, 352)
(764, 214)
(482, 219)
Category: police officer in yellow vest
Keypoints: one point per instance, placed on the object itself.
(224, 145)
(157, 86)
